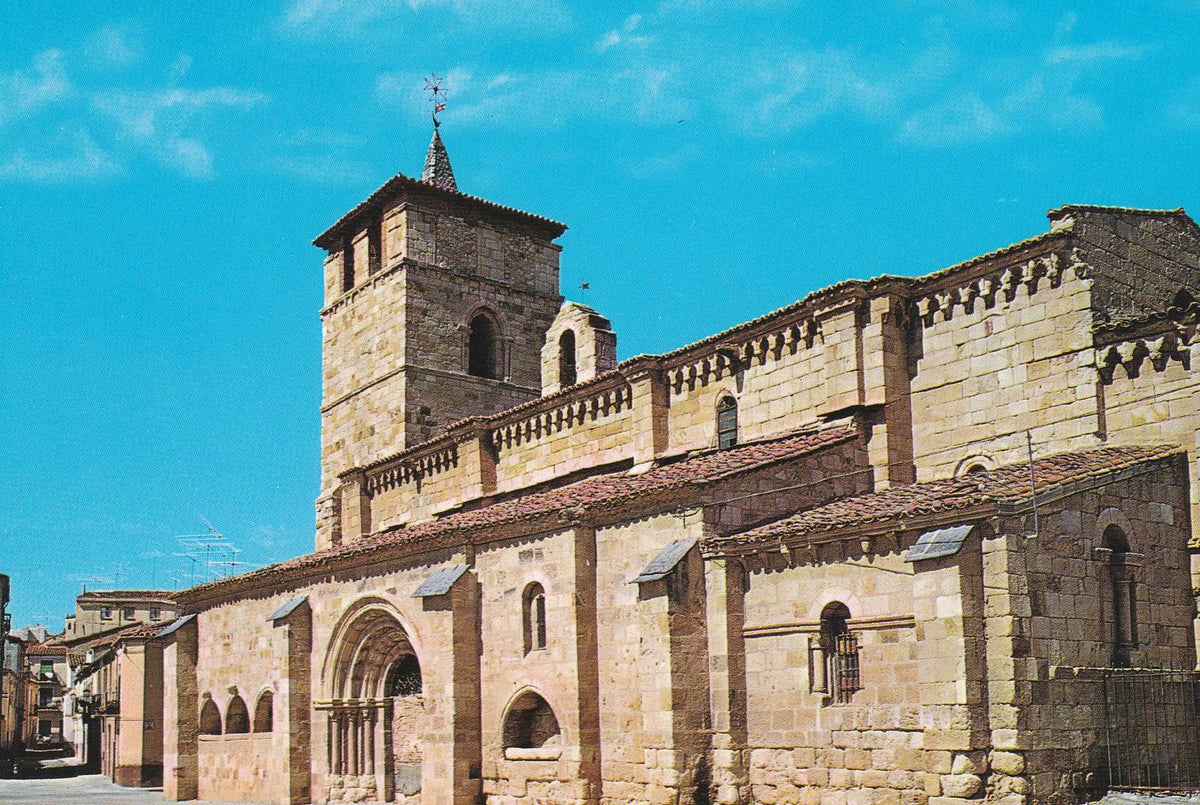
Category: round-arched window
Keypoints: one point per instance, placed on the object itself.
(530, 723)
(484, 347)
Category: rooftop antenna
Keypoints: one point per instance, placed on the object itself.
(206, 549)
(93, 580)
(437, 96)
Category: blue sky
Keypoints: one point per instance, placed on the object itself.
(163, 169)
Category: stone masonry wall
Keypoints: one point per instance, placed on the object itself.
(1008, 362)
(1140, 260)
(1049, 601)
(901, 736)
(505, 570)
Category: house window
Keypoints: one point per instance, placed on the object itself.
(566, 359)
(483, 347)
(237, 718)
(155, 613)
(44, 696)
(535, 617)
(727, 424)
(105, 613)
(45, 728)
(530, 723)
(264, 711)
(46, 669)
(1122, 596)
(210, 718)
(127, 613)
(836, 669)
(404, 677)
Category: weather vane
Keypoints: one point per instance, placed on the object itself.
(437, 95)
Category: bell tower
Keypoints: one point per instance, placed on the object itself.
(437, 305)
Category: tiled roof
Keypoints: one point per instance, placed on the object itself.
(400, 182)
(43, 650)
(128, 595)
(591, 495)
(1065, 208)
(1008, 484)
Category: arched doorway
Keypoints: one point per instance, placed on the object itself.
(376, 713)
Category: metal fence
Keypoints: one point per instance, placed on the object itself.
(1151, 729)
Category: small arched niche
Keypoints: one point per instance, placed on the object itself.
(237, 717)
(264, 712)
(531, 729)
(210, 718)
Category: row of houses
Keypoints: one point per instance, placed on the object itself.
(95, 690)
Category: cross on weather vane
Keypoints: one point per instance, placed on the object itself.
(437, 95)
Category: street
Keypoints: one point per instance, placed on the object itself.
(87, 788)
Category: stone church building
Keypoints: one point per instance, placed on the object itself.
(882, 545)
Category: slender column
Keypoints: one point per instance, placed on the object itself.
(332, 736)
(370, 738)
(336, 731)
(355, 735)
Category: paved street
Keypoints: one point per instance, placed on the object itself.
(97, 788)
(83, 789)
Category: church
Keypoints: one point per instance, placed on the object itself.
(891, 543)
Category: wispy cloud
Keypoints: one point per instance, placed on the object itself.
(1184, 109)
(157, 120)
(70, 156)
(103, 129)
(112, 45)
(1095, 52)
(24, 92)
(625, 35)
(322, 17)
(647, 94)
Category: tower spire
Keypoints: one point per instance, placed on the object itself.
(437, 170)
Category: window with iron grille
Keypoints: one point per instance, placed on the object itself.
(727, 423)
(844, 673)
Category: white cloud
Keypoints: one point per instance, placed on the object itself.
(1039, 103)
(72, 156)
(1184, 110)
(792, 90)
(322, 17)
(23, 92)
(180, 67)
(112, 45)
(1095, 52)
(625, 35)
(156, 120)
(548, 99)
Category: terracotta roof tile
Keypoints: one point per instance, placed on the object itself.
(1004, 484)
(594, 494)
(43, 650)
(132, 595)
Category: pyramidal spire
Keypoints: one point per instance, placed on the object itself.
(437, 165)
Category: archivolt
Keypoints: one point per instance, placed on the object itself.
(366, 643)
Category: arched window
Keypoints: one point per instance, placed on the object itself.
(264, 712)
(484, 347)
(836, 669)
(530, 723)
(534, 605)
(210, 718)
(727, 424)
(1122, 595)
(404, 677)
(237, 718)
(566, 359)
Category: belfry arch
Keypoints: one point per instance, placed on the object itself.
(374, 725)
